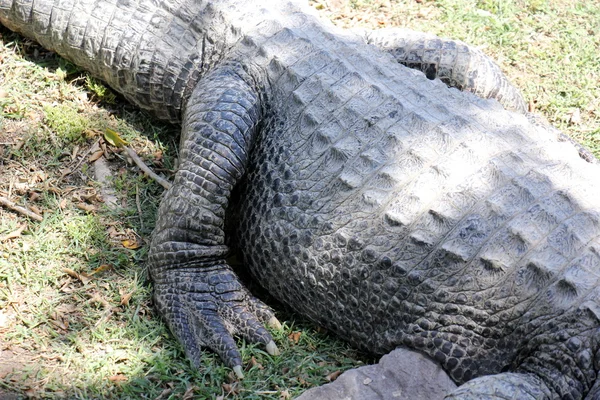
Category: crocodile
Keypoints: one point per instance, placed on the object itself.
(384, 206)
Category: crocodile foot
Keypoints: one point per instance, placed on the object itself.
(206, 307)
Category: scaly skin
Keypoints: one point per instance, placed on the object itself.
(386, 207)
(453, 62)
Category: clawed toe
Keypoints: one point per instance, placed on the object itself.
(274, 323)
(210, 319)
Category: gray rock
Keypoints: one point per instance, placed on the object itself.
(401, 374)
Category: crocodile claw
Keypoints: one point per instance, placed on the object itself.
(207, 307)
(274, 323)
(272, 348)
(238, 371)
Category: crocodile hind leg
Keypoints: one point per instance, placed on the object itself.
(195, 290)
(558, 359)
(453, 62)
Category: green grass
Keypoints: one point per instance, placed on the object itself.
(75, 336)
(67, 122)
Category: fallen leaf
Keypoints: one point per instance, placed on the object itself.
(232, 377)
(67, 308)
(102, 268)
(285, 395)
(189, 393)
(35, 209)
(131, 244)
(113, 233)
(164, 394)
(32, 393)
(74, 153)
(113, 138)
(59, 321)
(254, 363)
(65, 172)
(125, 298)
(231, 388)
(86, 207)
(96, 155)
(90, 196)
(34, 196)
(14, 234)
(303, 382)
(295, 337)
(117, 378)
(71, 273)
(575, 117)
(333, 376)
(84, 278)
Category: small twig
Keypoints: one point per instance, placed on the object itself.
(83, 158)
(12, 206)
(10, 187)
(14, 234)
(138, 161)
(139, 206)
